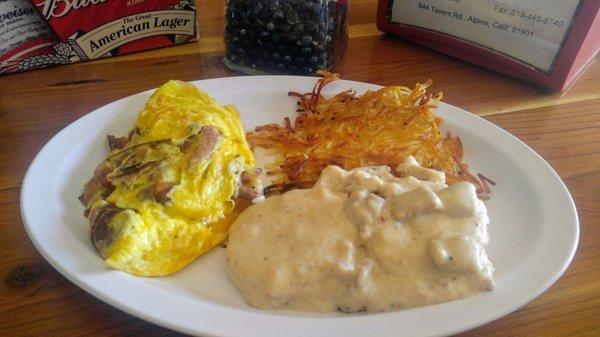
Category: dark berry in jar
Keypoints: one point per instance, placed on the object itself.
(282, 50)
(285, 28)
(311, 27)
(285, 36)
(241, 52)
(299, 29)
(278, 14)
(276, 38)
(307, 70)
(306, 40)
(291, 16)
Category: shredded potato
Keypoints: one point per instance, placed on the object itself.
(377, 128)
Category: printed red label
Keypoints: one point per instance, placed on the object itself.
(76, 30)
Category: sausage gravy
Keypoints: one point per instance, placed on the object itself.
(363, 240)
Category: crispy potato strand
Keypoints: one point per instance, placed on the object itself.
(376, 128)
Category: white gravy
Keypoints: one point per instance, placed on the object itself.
(363, 240)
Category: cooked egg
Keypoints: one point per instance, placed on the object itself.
(166, 193)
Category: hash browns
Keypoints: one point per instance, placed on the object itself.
(379, 127)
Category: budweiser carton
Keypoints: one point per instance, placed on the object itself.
(42, 33)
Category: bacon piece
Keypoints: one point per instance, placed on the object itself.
(246, 192)
(102, 233)
(209, 137)
(116, 143)
(161, 189)
(249, 186)
(133, 169)
(99, 182)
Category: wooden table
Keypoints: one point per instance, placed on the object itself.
(564, 128)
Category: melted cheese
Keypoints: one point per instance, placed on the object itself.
(362, 240)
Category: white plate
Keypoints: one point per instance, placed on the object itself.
(534, 227)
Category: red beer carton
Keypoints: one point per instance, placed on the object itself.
(42, 33)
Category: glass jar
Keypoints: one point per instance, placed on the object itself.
(285, 36)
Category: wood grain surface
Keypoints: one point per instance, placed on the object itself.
(564, 128)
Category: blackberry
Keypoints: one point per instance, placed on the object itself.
(307, 70)
(253, 54)
(320, 49)
(276, 38)
(278, 14)
(285, 27)
(281, 50)
(313, 60)
(299, 29)
(306, 40)
(241, 52)
(291, 16)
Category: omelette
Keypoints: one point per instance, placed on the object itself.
(168, 191)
